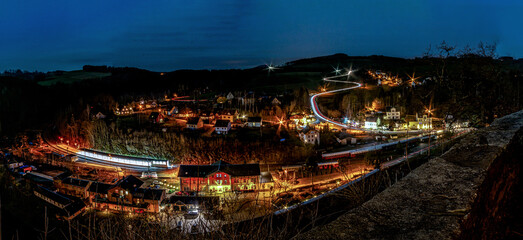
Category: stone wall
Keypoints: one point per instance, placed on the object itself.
(434, 199)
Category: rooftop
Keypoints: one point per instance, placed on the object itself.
(254, 119)
(222, 123)
(235, 170)
(76, 182)
(148, 193)
(98, 187)
(130, 182)
(193, 120)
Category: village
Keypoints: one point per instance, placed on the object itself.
(76, 179)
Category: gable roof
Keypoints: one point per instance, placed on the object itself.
(222, 123)
(254, 119)
(235, 170)
(388, 109)
(371, 119)
(241, 170)
(410, 118)
(98, 187)
(195, 170)
(130, 182)
(148, 193)
(76, 182)
(57, 197)
(193, 120)
(228, 112)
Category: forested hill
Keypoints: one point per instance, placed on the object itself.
(490, 86)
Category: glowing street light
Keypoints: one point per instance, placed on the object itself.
(429, 110)
(349, 72)
(413, 78)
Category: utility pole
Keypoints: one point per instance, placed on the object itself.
(407, 145)
(430, 129)
(45, 224)
(0, 217)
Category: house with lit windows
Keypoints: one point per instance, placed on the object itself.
(254, 122)
(424, 122)
(222, 126)
(392, 113)
(372, 122)
(98, 191)
(417, 122)
(219, 177)
(310, 136)
(194, 123)
(73, 186)
(125, 196)
(228, 115)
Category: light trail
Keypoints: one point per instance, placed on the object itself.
(114, 160)
(321, 117)
(314, 104)
(125, 160)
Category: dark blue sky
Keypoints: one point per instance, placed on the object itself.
(164, 35)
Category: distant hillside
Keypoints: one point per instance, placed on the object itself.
(71, 77)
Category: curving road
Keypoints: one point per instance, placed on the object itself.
(321, 117)
(314, 104)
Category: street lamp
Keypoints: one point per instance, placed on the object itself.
(429, 111)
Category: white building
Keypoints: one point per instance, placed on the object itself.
(222, 126)
(424, 122)
(254, 122)
(312, 137)
(392, 114)
(372, 122)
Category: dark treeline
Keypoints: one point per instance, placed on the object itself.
(25, 104)
(468, 83)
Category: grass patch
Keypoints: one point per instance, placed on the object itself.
(71, 77)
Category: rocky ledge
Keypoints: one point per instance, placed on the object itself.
(432, 201)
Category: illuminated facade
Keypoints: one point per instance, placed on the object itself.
(392, 114)
(372, 122)
(424, 122)
(219, 177)
(312, 137)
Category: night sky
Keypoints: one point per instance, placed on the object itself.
(164, 35)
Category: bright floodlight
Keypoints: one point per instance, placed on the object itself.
(349, 72)
(337, 70)
(270, 67)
